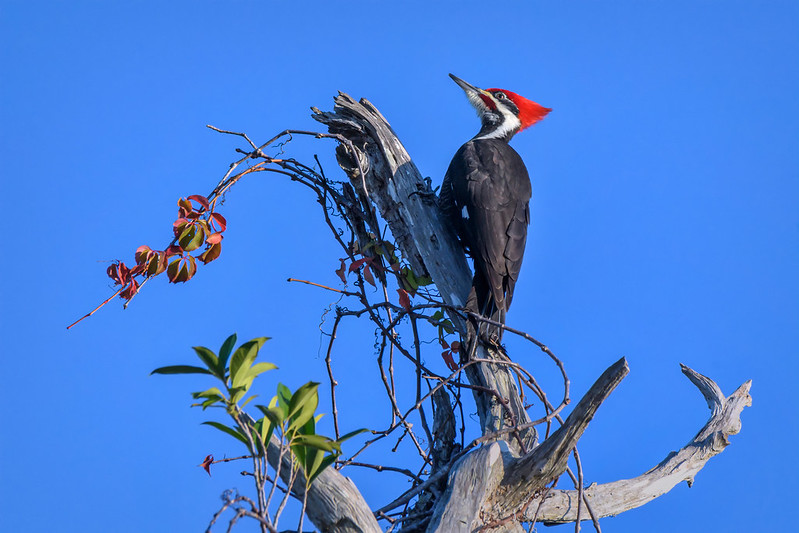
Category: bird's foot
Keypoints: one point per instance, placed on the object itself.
(492, 341)
(425, 192)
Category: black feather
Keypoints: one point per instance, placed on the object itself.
(488, 179)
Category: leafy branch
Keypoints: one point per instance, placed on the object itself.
(287, 423)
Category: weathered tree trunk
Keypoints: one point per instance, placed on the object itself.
(503, 482)
(407, 204)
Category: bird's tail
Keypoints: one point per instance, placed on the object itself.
(482, 302)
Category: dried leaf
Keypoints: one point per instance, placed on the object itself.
(367, 275)
(341, 270)
(130, 291)
(450, 362)
(113, 273)
(357, 264)
(119, 273)
(404, 299)
(207, 462)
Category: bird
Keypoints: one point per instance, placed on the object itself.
(485, 196)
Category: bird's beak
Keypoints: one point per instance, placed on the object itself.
(471, 90)
(481, 100)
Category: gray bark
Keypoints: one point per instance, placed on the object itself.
(490, 485)
(610, 499)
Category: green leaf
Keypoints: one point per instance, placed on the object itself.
(224, 353)
(265, 428)
(248, 400)
(191, 238)
(213, 392)
(318, 442)
(327, 461)
(208, 403)
(259, 368)
(209, 358)
(424, 280)
(274, 414)
(283, 398)
(303, 404)
(238, 393)
(313, 464)
(230, 431)
(352, 434)
(243, 358)
(180, 369)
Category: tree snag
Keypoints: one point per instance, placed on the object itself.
(506, 481)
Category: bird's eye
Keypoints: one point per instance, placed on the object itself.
(499, 96)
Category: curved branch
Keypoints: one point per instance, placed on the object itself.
(491, 482)
(610, 499)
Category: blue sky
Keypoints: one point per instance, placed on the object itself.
(664, 229)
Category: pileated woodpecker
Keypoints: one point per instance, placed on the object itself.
(486, 194)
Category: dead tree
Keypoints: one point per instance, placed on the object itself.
(505, 477)
(504, 480)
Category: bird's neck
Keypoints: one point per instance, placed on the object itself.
(502, 128)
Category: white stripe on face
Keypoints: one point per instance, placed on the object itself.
(510, 123)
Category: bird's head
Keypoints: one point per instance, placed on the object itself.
(502, 113)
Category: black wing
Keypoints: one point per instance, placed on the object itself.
(486, 194)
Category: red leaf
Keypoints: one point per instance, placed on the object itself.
(367, 275)
(340, 272)
(202, 200)
(141, 254)
(214, 238)
(456, 347)
(207, 462)
(119, 273)
(450, 362)
(113, 273)
(220, 220)
(357, 264)
(130, 291)
(405, 300)
(179, 226)
(173, 250)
